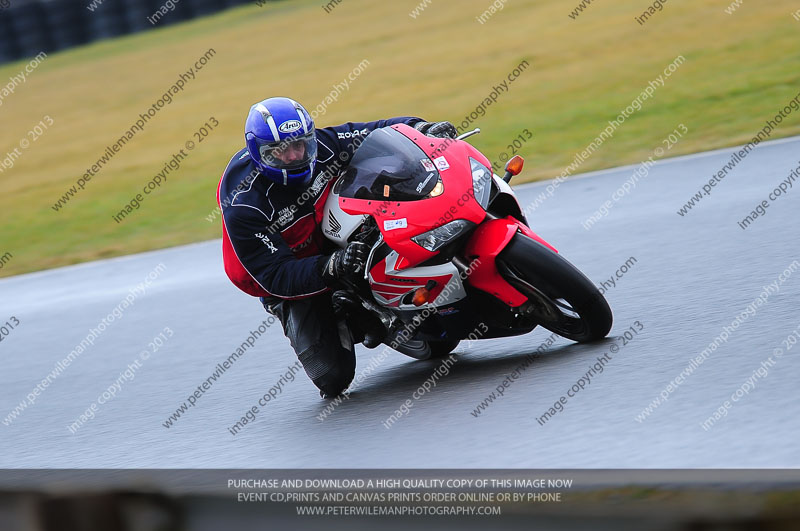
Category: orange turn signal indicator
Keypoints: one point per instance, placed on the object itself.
(423, 295)
(514, 166)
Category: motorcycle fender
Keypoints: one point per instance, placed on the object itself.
(505, 190)
(488, 240)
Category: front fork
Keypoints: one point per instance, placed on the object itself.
(488, 241)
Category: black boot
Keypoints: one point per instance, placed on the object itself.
(366, 327)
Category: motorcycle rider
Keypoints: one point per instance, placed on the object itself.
(272, 195)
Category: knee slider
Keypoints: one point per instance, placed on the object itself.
(335, 381)
(331, 369)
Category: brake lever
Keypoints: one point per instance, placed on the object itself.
(468, 134)
(368, 263)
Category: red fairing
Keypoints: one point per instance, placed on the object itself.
(456, 202)
(485, 244)
(392, 288)
(399, 221)
(524, 229)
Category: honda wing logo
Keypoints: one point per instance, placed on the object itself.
(334, 223)
(333, 226)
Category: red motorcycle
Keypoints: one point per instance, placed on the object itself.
(451, 251)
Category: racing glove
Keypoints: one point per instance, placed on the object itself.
(437, 129)
(344, 262)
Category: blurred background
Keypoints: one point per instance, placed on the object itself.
(436, 59)
(540, 78)
(33, 26)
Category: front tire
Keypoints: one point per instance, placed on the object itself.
(560, 297)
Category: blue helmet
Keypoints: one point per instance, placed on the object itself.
(281, 140)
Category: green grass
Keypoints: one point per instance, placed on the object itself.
(740, 70)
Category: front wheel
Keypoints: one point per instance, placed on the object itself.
(560, 297)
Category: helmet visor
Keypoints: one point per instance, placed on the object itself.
(289, 154)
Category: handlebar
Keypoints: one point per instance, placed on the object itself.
(469, 134)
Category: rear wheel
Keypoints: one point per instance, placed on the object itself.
(422, 350)
(440, 349)
(414, 348)
(560, 297)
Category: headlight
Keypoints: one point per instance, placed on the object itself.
(438, 189)
(481, 182)
(436, 238)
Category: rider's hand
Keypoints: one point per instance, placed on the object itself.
(344, 262)
(437, 129)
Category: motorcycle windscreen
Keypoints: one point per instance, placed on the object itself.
(389, 166)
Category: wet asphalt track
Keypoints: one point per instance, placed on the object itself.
(693, 275)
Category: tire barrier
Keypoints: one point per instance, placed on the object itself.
(106, 21)
(28, 27)
(136, 13)
(9, 50)
(63, 17)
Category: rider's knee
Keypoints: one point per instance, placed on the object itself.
(331, 369)
(335, 381)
